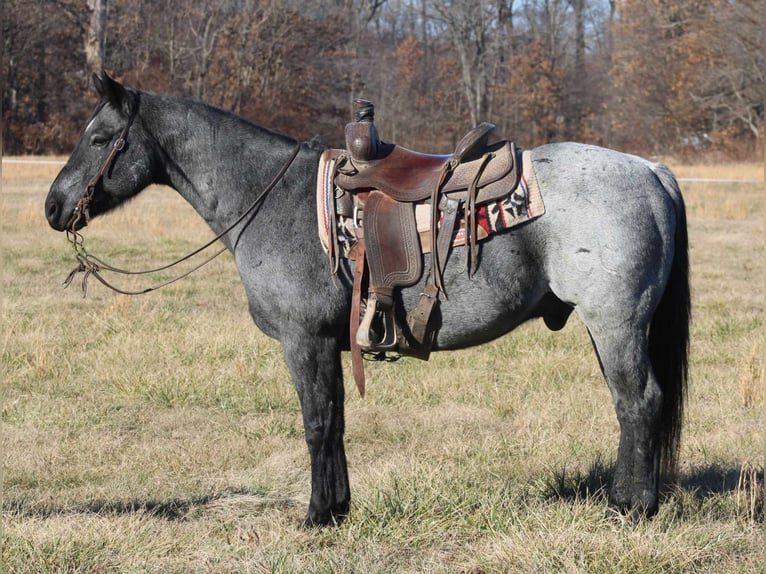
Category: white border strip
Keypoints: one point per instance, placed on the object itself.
(35, 161)
(706, 180)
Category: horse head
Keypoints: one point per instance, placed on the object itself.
(110, 164)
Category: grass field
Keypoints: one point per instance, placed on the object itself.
(162, 433)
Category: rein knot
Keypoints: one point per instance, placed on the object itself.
(86, 267)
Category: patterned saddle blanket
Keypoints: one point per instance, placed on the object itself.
(522, 204)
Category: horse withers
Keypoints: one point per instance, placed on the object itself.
(611, 246)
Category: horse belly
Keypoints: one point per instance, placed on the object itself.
(505, 291)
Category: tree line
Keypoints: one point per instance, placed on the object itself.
(645, 76)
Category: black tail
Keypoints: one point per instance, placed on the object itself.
(669, 333)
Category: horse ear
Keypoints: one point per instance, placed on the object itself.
(112, 91)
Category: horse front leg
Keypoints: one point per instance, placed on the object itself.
(315, 366)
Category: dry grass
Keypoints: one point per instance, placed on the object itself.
(741, 170)
(716, 200)
(162, 434)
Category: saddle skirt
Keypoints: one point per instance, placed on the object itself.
(340, 214)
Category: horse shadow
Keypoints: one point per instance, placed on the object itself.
(173, 509)
(569, 486)
(699, 485)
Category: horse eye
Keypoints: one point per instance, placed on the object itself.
(99, 141)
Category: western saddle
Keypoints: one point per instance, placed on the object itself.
(385, 182)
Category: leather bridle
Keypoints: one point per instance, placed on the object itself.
(91, 265)
(81, 210)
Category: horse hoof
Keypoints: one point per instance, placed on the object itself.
(630, 512)
(320, 520)
(310, 523)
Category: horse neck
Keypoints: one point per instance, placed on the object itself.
(217, 161)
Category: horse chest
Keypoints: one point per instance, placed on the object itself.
(282, 295)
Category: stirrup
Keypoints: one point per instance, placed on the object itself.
(363, 334)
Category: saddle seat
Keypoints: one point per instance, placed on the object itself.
(400, 173)
(406, 175)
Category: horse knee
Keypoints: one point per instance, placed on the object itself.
(321, 429)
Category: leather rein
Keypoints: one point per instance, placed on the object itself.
(90, 265)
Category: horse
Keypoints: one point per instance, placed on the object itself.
(611, 246)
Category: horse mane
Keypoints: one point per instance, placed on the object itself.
(218, 117)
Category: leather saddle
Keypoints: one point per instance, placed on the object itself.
(385, 182)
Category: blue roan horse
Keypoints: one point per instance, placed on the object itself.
(612, 246)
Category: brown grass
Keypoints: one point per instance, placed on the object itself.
(717, 200)
(162, 434)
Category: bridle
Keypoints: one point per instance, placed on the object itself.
(81, 210)
(91, 265)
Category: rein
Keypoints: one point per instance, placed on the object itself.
(90, 265)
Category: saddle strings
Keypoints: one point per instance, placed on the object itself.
(91, 265)
(469, 210)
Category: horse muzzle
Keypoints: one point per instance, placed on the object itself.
(61, 216)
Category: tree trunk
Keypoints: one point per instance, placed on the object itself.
(467, 25)
(579, 85)
(95, 36)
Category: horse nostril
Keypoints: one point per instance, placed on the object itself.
(52, 210)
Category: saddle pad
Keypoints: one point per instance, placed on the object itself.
(522, 204)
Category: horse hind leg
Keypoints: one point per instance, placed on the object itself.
(624, 358)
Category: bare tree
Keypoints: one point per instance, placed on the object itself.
(733, 91)
(95, 37)
(205, 25)
(91, 21)
(471, 27)
(579, 82)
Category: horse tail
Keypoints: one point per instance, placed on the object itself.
(669, 332)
